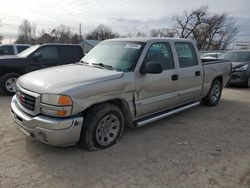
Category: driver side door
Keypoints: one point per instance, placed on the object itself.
(157, 92)
(48, 58)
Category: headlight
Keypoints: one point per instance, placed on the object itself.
(242, 68)
(56, 105)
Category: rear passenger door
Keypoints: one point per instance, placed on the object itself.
(157, 92)
(190, 72)
(67, 54)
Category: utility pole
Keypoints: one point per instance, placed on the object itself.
(80, 31)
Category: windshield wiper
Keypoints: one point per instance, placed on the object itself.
(82, 63)
(109, 67)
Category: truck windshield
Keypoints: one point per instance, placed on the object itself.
(121, 56)
(236, 56)
(28, 51)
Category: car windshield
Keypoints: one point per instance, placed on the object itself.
(236, 56)
(116, 55)
(28, 51)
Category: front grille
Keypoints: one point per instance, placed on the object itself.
(26, 100)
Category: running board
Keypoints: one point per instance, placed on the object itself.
(158, 116)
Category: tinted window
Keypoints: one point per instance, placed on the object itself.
(79, 53)
(236, 56)
(21, 48)
(7, 50)
(67, 52)
(161, 53)
(48, 52)
(186, 54)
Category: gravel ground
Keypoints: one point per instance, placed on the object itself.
(201, 147)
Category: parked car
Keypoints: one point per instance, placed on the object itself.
(240, 66)
(12, 49)
(211, 55)
(120, 82)
(35, 58)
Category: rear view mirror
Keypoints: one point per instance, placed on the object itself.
(151, 68)
(37, 56)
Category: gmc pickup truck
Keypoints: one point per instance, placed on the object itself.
(120, 82)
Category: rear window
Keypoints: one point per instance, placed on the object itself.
(236, 56)
(7, 50)
(21, 48)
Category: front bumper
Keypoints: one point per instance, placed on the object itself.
(240, 78)
(50, 130)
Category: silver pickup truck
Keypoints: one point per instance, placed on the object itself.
(121, 82)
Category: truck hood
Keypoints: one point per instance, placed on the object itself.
(60, 79)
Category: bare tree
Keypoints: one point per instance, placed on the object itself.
(1, 37)
(187, 22)
(45, 37)
(211, 31)
(102, 32)
(62, 34)
(26, 33)
(163, 32)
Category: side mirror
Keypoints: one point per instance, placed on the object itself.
(37, 56)
(151, 68)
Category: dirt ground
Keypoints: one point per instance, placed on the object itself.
(201, 147)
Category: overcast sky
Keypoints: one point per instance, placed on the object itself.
(123, 16)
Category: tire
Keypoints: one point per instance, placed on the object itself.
(8, 83)
(214, 94)
(98, 133)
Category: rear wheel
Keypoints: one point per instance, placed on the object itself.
(103, 126)
(8, 83)
(214, 94)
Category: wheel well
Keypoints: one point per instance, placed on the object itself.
(123, 105)
(219, 78)
(7, 71)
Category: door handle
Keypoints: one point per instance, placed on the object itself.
(197, 73)
(175, 77)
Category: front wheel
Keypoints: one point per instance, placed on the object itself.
(8, 83)
(214, 94)
(103, 126)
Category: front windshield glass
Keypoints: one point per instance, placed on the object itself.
(236, 56)
(28, 51)
(121, 56)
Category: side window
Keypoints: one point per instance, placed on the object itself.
(67, 52)
(48, 52)
(186, 54)
(162, 53)
(79, 53)
(21, 48)
(7, 50)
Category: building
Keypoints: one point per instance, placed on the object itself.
(88, 45)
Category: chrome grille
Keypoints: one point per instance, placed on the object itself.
(26, 100)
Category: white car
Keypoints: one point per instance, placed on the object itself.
(211, 55)
(12, 49)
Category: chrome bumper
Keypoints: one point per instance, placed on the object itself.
(50, 130)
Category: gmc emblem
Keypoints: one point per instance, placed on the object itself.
(20, 96)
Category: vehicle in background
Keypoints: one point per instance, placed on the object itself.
(211, 55)
(12, 49)
(35, 58)
(120, 82)
(240, 66)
